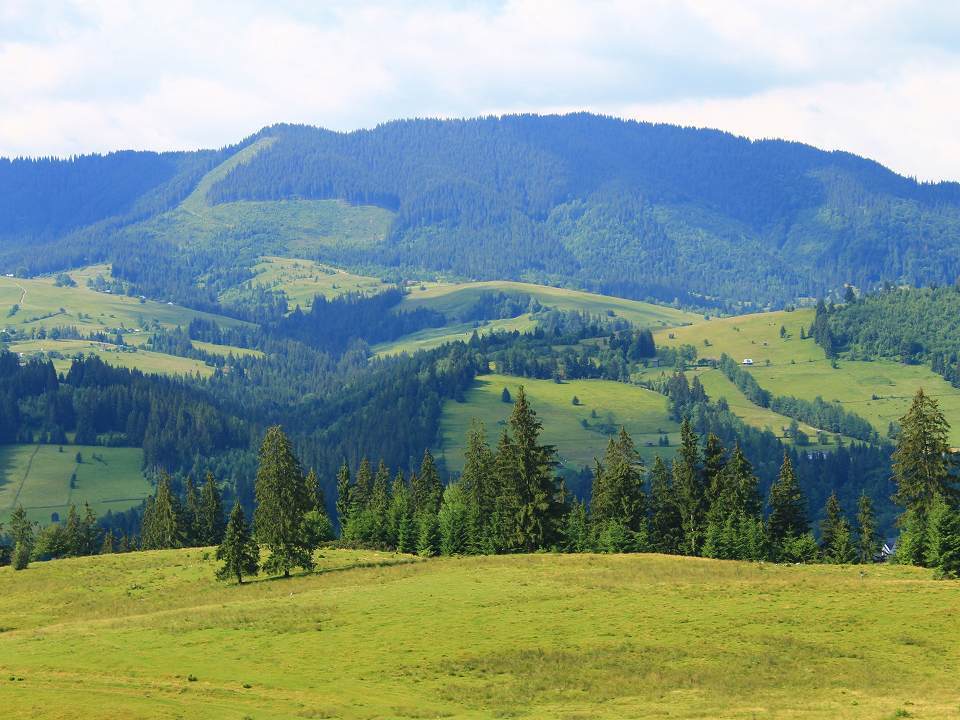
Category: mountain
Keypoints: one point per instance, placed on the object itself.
(622, 207)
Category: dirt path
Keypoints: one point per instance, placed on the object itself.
(26, 474)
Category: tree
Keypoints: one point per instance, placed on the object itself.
(238, 550)
(540, 494)
(282, 501)
(427, 534)
(107, 547)
(379, 508)
(22, 534)
(478, 483)
(402, 525)
(453, 520)
(505, 396)
(788, 507)
(714, 461)
(666, 533)
(426, 486)
(921, 468)
(868, 542)
(576, 531)
(948, 562)
(689, 489)
(362, 487)
(618, 495)
(343, 496)
(191, 512)
(833, 519)
(162, 525)
(210, 522)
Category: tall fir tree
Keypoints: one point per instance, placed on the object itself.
(506, 510)
(191, 512)
(162, 525)
(362, 488)
(478, 482)
(868, 541)
(238, 550)
(921, 462)
(343, 496)
(690, 490)
(380, 505)
(666, 531)
(453, 520)
(402, 526)
(282, 501)
(211, 521)
(714, 461)
(427, 488)
(788, 507)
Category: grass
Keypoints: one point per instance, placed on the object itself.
(152, 635)
(225, 350)
(642, 412)
(302, 280)
(39, 478)
(435, 337)
(458, 297)
(879, 391)
(61, 352)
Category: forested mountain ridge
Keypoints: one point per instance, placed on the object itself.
(621, 207)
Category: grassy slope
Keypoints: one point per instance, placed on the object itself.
(145, 360)
(853, 383)
(302, 280)
(641, 411)
(38, 477)
(458, 297)
(540, 636)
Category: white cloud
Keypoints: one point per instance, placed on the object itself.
(95, 75)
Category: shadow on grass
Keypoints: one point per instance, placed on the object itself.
(331, 570)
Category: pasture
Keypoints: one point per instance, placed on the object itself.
(153, 635)
(46, 479)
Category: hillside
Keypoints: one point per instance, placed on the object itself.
(542, 636)
(625, 208)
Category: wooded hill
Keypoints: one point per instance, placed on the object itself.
(626, 208)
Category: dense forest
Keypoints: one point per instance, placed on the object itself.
(620, 207)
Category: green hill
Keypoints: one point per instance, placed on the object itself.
(153, 635)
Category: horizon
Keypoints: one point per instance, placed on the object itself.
(95, 77)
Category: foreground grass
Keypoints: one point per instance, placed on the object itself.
(539, 636)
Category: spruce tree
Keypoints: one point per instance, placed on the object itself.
(107, 547)
(948, 562)
(666, 532)
(788, 508)
(211, 521)
(73, 533)
(868, 542)
(90, 531)
(401, 523)
(362, 488)
(714, 461)
(162, 519)
(618, 494)
(541, 496)
(478, 482)
(833, 519)
(379, 507)
(428, 533)
(238, 550)
(689, 489)
(453, 520)
(191, 513)
(938, 517)
(576, 533)
(343, 496)
(22, 534)
(427, 488)
(921, 466)
(282, 501)
(506, 510)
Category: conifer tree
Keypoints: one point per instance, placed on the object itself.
(89, 530)
(689, 490)
(162, 519)
(402, 526)
(921, 466)
(912, 542)
(577, 529)
(506, 509)
(478, 483)
(380, 505)
(211, 521)
(868, 543)
(948, 561)
(22, 534)
(107, 547)
(618, 494)
(788, 507)
(344, 500)
(540, 494)
(428, 540)
(453, 520)
(666, 533)
(938, 516)
(714, 461)
(282, 501)
(238, 550)
(427, 488)
(73, 533)
(832, 520)
(317, 526)
(191, 512)
(362, 488)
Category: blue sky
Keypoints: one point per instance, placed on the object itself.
(878, 78)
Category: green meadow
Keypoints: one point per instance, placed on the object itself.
(39, 478)
(435, 337)
(604, 406)
(458, 297)
(879, 391)
(153, 635)
(61, 353)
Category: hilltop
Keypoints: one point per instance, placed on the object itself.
(153, 635)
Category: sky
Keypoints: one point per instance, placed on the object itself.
(878, 78)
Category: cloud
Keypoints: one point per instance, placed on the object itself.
(873, 77)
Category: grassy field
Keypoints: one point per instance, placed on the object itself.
(152, 635)
(458, 297)
(145, 360)
(44, 305)
(302, 280)
(38, 477)
(879, 391)
(435, 337)
(642, 412)
(225, 350)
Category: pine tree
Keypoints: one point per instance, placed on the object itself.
(426, 486)
(191, 513)
(343, 496)
(107, 548)
(666, 532)
(380, 505)
(868, 542)
(506, 510)
(73, 533)
(714, 461)
(948, 563)
(453, 520)
(315, 491)
(362, 487)
(22, 534)
(238, 551)
(211, 521)
(89, 531)
(540, 494)
(689, 490)
(478, 483)
(938, 517)
(832, 520)
(162, 525)
(788, 507)
(427, 534)
(401, 516)
(576, 531)
(282, 501)
(920, 463)
(912, 543)
(618, 495)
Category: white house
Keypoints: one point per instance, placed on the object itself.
(747, 361)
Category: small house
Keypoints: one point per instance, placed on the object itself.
(747, 361)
